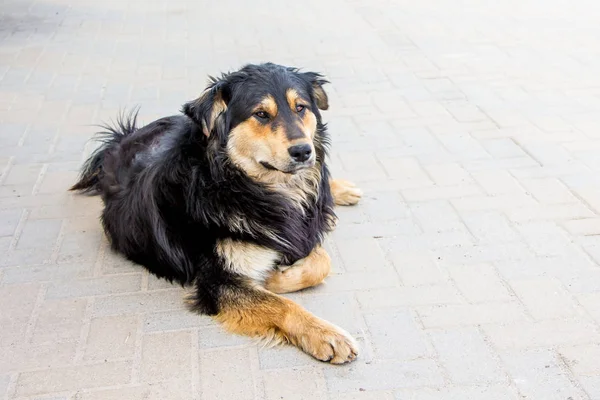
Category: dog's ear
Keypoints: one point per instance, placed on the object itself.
(206, 109)
(317, 81)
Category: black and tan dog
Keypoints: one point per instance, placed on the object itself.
(227, 194)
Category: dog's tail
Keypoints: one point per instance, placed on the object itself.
(111, 136)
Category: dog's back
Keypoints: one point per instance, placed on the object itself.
(130, 171)
(126, 150)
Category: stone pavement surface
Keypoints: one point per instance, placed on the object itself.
(470, 270)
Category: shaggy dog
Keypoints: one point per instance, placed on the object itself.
(232, 197)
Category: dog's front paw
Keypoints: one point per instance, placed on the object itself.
(345, 193)
(329, 343)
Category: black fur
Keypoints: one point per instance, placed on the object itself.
(170, 192)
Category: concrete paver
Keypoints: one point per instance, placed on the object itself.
(470, 270)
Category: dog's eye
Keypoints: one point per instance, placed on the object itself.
(300, 108)
(261, 114)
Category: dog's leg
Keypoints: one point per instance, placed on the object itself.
(229, 287)
(307, 272)
(344, 193)
(249, 310)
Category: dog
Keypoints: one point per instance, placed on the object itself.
(233, 198)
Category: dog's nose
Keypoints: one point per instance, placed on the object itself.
(300, 152)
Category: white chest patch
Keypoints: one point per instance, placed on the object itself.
(247, 259)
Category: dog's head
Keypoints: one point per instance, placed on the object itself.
(266, 115)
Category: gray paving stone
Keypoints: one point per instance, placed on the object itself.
(511, 202)
(591, 385)
(545, 238)
(95, 286)
(364, 395)
(284, 357)
(111, 338)
(417, 268)
(338, 308)
(63, 379)
(383, 376)
(10, 219)
(544, 298)
(549, 191)
(541, 374)
(502, 148)
(174, 320)
(224, 374)
(385, 277)
(449, 174)
(471, 314)
(466, 356)
(477, 172)
(384, 206)
(409, 296)
(586, 281)
(497, 182)
(177, 389)
(26, 357)
(79, 247)
(59, 321)
(26, 257)
(216, 337)
(43, 273)
(441, 192)
(19, 300)
(41, 233)
(294, 384)
(26, 173)
(582, 359)
(479, 283)
(396, 335)
(4, 381)
(483, 253)
(526, 334)
(487, 392)
(490, 226)
(436, 216)
(586, 226)
(360, 254)
(166, 356)
(160, 300)
(406, 169)
(401, 227)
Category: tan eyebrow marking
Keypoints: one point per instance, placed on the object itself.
(269, 105)
(292, 97)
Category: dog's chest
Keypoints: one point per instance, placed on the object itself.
(302, 230)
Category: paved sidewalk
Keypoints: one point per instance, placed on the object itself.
(470, 270)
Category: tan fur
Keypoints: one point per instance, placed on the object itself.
(241, 224)
(344, 193)
(307, 272)
(218, 108)
(262, 314)
(247, 259)
(251, 142)
(302, 188)
(292, 97)
(309, 120)
(321, 97)
(269, 105)
(310, 124)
